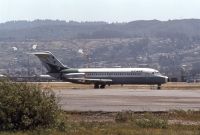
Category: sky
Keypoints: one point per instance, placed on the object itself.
(99, 10)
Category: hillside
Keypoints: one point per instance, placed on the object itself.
(61, 30)
(173, 46)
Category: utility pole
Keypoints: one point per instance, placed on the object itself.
(34, 47)
(14, 59)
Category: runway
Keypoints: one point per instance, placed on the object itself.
(113, 100)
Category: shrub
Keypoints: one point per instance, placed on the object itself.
(24, 106)
(150, 121)
(123, 116)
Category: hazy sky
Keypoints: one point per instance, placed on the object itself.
(98, 10)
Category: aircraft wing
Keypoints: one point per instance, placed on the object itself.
(86, 80)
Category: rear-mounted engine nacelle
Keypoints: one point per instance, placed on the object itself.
(74, 75)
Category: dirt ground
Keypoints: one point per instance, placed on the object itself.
(167, 86)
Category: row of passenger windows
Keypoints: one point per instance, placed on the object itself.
(114, 73)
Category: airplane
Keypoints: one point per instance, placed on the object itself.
(100, 77)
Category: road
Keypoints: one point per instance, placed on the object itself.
(112, 100)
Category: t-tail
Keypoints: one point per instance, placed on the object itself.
(50, 62)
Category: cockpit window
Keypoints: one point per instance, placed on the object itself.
(156, 73)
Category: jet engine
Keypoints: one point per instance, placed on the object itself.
(74, 75)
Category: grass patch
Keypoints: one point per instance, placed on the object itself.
(147, 120)
(128, 127)
(184, 115)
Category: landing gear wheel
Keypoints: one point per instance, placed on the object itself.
(96, 86)
(102, 86)
(159, 87)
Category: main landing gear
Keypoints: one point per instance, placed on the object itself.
(101, 86)
(159, 87)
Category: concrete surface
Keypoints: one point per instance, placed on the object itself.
(112, 100)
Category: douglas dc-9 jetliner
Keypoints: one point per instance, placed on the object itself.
(100, 77)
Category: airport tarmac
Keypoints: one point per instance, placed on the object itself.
(113, 100)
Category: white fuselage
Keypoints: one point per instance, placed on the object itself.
(121, 75)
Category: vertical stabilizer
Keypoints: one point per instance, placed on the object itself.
(50, 62)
